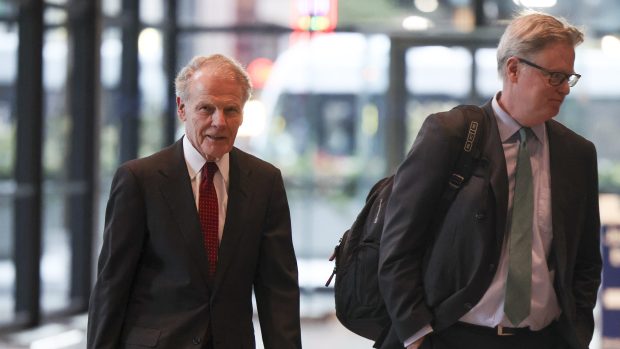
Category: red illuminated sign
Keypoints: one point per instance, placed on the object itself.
(315, 15)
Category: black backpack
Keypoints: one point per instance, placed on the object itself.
(359, 304)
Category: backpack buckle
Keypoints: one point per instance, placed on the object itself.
(456, 180)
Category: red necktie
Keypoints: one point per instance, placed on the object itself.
(208, 213)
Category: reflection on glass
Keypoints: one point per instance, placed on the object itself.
(7, 266)
(111, 7)
(153, 88)
(151, 11)
(8, 72)
(55, 261)
(54, 16)
(439, 70)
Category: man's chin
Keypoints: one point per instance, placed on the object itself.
(553, 113)
(212, 153)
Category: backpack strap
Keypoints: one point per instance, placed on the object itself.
(471, 151)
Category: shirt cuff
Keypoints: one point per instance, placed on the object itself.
(421, 333)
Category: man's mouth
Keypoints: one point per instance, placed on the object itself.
(215, 138)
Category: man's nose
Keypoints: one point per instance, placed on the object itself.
(564, 87)
(218, 119)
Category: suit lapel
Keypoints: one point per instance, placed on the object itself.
(177, 192)
(238, 204)
(560, 186)
(494, 152)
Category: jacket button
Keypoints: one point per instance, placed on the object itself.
(481, 215)
(468, 306)
(196, 340)
(491, 267)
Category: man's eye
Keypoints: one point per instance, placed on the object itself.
(558, 76)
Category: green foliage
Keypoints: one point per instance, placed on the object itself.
(609, 177)
(56, 145)
(151, 134)
(7, 149)
(353, 13)
(108, 153)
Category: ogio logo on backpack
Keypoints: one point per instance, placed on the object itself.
(471, 135)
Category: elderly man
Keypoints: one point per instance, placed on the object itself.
(191, 230)
(515, 261)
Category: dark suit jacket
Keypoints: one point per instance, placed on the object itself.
(152, 288)
(433, 273)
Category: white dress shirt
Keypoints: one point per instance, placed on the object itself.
(195, 162)
(544, 304)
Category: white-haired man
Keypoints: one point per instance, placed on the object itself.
(192, 230)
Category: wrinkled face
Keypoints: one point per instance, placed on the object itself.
(212, 112)
(534, 99)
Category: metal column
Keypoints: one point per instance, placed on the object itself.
(84, 21)
(170, 53)
(129, 100)
(396, 116)
(28, 167)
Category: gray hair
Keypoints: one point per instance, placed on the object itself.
(216, 63)
(530, 32)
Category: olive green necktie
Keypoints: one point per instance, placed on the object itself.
(519, 281)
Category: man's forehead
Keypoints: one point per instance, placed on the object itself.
(206, 78)
(220, 74)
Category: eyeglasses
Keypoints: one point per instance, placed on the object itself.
(556, 78)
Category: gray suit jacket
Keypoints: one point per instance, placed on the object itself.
(152, 288)
(435, 272)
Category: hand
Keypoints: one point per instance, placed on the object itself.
(416, 344)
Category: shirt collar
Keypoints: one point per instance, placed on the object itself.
(509, 126)
(195, 161)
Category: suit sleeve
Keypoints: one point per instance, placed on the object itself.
(123, 238)
(418, 186)
(276, 286)
(588, 264)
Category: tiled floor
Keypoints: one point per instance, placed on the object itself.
(320, 330)
(323, 333)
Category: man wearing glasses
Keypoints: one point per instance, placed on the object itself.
(515, 262)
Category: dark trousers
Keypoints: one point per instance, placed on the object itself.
(464, 336)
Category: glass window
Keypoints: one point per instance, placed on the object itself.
(438, 79)
(207, 13)
(111, 49)
(8, 9)
(153, 90)
(151, 11)
(439, 70)
(109, 132)
(54, 16)
(56, 258)
(111, 7)
(488, 81)
(191, 45)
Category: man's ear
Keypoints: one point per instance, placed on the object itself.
(180, 109)
(512, 69)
